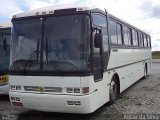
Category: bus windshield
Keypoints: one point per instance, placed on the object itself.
(63, 42)
(4, 50)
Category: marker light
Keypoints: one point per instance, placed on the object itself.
(51, 12)
(85, 90)
(14, 16)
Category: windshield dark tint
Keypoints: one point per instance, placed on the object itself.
(4, 50)
(66, 45)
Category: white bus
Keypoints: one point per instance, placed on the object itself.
(74, 59)
(5, 33)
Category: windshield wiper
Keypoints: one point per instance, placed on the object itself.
(30, 61)
(50, 56)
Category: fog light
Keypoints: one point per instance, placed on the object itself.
(77, 103)
(13, 98)
(17, 99)
(70, 102)
(76, 90)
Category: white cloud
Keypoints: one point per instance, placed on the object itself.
(33, 4)
(8, 8)
(135, 12)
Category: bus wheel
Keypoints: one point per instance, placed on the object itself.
(113, 94)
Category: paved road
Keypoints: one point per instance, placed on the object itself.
(155, 60)
(140, 101)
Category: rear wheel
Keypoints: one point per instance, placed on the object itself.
(113, 94)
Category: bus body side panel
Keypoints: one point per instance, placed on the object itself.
(99, 90)
(129, 64)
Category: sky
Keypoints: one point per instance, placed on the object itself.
(144, 14)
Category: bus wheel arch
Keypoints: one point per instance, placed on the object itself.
(114, 89)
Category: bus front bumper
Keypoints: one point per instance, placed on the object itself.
(53, 103)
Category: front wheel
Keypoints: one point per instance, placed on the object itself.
(113, 94)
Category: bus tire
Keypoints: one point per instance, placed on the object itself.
(113, 91)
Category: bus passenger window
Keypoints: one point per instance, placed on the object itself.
(142, 40)
(134, 38)
(145, 41)
(126, 36)
(119, 34)
(148, 39)
(113, 32)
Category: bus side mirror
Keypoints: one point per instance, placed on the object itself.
(5, 44)
(98, 40)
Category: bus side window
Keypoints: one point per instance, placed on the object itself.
(119, 34)
(127, 35)
(149, 42)
(113, 32)
(139, 39)
(116, 33)
(142, 40)
(145, 41)
(135, 38)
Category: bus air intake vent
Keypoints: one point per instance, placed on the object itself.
(45, 89)
(52, 89)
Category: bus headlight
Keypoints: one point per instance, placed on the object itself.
(69, 90)
(18, 87)
(77, 90)
(15, 87)
(84, 90)
(73, 90)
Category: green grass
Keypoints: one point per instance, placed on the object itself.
(156, 55)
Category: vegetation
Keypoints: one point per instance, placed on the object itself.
(156, 55)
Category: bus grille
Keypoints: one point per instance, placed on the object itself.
(42, 89)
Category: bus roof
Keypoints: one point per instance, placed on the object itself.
(5, 25)
(51, 9)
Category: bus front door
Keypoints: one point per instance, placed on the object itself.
(98, 58)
